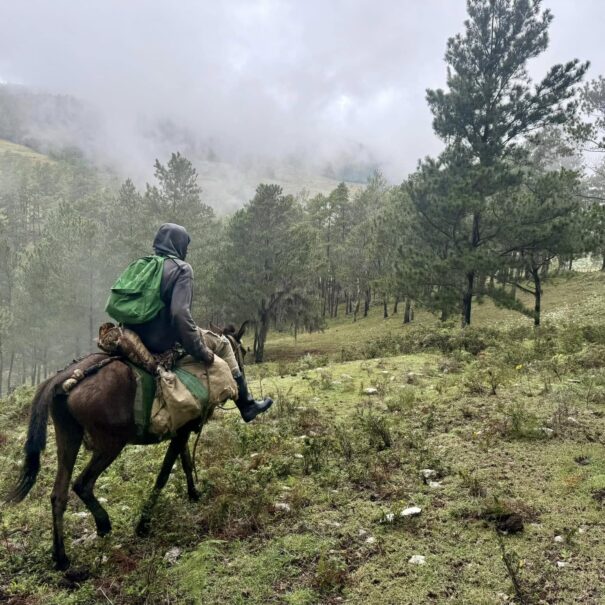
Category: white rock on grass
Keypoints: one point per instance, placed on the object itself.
(370, 540)
(561, 564)
(84, 539)
(428, 473)
(284, 506)
(434, 484)
(370, 391)
(559, 539)
(417, 560)
(546, 431)
(412, 511)
(172, 555)
(299, 456)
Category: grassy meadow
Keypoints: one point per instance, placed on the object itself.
(496, 434)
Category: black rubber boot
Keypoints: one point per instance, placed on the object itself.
(248, 407)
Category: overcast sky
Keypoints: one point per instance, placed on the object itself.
(266, 77)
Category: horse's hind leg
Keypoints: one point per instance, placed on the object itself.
(187, 464)
(85, 483)
(68, 435)
(174, 449)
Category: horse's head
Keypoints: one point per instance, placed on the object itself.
(234, 336)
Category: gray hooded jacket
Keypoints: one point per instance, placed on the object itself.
(174, 323)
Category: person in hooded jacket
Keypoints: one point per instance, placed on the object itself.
(174, 323)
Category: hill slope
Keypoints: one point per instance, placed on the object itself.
(7, 147)
(305, 505)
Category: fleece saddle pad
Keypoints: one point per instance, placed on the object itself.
(145, 394)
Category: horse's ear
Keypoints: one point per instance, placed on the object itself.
(214, 328)
(242, 331)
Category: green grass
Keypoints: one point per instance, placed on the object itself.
(303, 505)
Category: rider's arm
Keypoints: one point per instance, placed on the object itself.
(180, 311)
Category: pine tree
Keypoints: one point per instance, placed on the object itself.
(263, 265)
(491, 105)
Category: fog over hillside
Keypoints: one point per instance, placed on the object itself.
(266, 88)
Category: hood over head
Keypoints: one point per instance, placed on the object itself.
(171, 240)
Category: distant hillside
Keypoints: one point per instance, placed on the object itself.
(7, 147)
(33, 123)
(227, 186)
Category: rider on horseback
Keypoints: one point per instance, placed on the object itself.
(174, 323)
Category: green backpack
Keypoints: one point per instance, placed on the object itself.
(135, 297)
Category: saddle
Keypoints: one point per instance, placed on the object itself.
(117, 340)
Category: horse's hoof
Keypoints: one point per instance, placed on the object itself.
(103, 529)
(194, 495)
(143, 528)
(62, 563)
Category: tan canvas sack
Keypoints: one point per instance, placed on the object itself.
(219, 381)
(174, 405)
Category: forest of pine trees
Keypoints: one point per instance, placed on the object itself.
(509, 202)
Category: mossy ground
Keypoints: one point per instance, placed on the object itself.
(303, 505)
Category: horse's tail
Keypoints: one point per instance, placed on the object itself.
(36, 440)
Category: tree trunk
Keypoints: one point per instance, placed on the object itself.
(407, 311)
(467, 299)
(537, 296)
(603, 263)
(91, 327)
(385, 311)
(263, 329)
(10, 372)
(366, 302)
(396, 305)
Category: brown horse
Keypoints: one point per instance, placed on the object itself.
(99, 410)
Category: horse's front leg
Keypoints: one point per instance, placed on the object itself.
(174, 449)
(187, 463)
